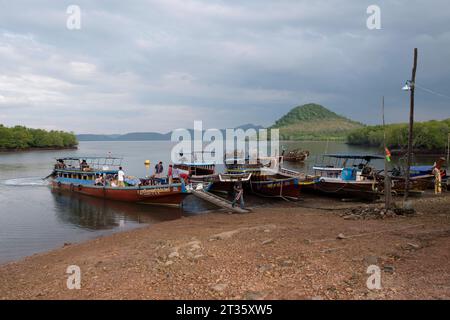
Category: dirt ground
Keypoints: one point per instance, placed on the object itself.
(282, 251)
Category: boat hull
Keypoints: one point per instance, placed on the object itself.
(161, 195)
(265, 183)
(351, 189)
(289, 188)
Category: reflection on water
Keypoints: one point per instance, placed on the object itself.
(98, 214)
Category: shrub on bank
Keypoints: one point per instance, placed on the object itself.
(20, 137)
(429, 135)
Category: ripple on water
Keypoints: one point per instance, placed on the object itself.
(21, 182)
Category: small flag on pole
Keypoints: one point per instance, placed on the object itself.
(388, 154)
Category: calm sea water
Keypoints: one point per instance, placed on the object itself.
(35, 219)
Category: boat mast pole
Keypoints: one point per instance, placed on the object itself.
(387, 179)
(411, 124)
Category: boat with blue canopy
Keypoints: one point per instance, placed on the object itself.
(349, 175)
(98, 177)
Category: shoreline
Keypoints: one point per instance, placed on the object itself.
(287, 251)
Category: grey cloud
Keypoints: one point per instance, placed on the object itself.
(160, 64)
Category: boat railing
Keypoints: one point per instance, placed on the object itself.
(227, 177)
(90, 163)
(291, 172)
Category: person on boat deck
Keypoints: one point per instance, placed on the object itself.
(238, 195)
(159, 169)
(84, 165)
(170, 174)
(60, 164)
(120, 178)
(99, 180)
(184, 176)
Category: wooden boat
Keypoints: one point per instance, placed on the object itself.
(349, 176)
(194, 166)
(267, 177)
(79, 175)
(296, 155)
(277, 185)
(421, 177)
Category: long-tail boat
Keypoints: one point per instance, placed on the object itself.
(268, 178)
(421, 177)
(348, 176)
(194, 165)
(296, 155)
(97, 177)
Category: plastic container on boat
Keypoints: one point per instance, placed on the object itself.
(348, 174)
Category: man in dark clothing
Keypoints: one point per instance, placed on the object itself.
(159, 170)
(238, 195)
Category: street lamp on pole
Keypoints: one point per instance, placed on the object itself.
(410, 86)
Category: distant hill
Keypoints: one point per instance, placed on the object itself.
(145, 136)
(134, 136)
(314, 122)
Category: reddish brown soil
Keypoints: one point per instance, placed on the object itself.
(288, 252)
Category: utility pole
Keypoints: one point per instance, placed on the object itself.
(387, 179)
(448, 150)
(411, 124)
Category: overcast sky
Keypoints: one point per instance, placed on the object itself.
(157, 65)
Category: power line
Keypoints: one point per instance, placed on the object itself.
(431, 91)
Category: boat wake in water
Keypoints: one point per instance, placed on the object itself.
(22, 182)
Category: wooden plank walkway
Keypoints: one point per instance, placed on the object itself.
(218, 201)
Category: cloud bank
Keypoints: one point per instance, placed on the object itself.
(156, 65)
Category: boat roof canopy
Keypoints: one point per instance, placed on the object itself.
(88, 158)
(354, 156)
(193, 164)
(422, 168)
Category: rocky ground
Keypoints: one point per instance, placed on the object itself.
(302, 250)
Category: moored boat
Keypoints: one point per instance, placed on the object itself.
(296, 155)
(421, 177)
(268, 178)
(348, 176)
(97, 177)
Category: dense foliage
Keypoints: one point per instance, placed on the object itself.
(314, 122)
(20, 137)
(306, 112)
(430, 135)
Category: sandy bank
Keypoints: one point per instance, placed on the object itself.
(289, 252)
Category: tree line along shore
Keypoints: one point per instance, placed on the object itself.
(428, 136)
(22, 138)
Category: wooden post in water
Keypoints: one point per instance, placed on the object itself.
(387, 178)
(411, 124)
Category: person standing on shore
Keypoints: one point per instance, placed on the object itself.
(120, 178)
(238, 195)
(437, 179)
